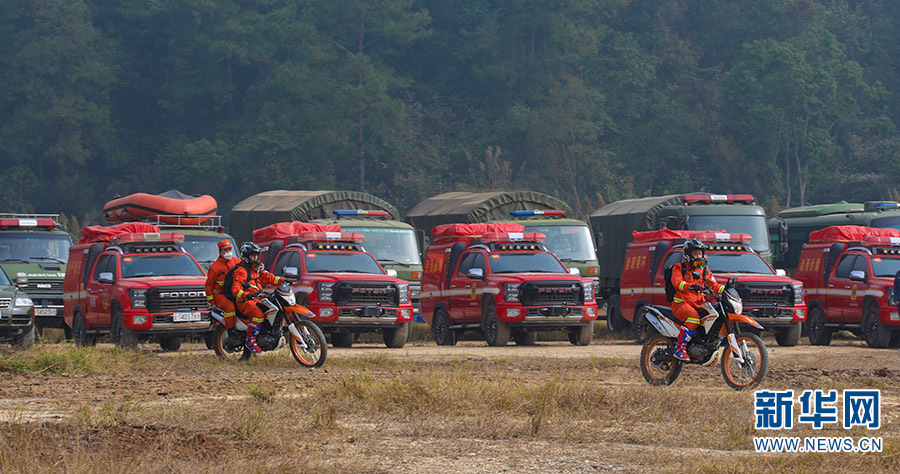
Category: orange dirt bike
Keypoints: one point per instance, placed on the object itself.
(744, 357)
(284, 318)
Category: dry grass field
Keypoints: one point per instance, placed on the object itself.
(470, 408)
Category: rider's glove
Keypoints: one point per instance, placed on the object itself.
(251, 296)
(695, 287)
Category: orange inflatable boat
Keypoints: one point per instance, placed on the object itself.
(170, 207)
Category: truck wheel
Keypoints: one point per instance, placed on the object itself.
(342, 339)
(440, 328)
(122, 337)
(788, 337)
(170, 343)
(79, 332)
(496, 333)
(615, 322)
(396, 338)
(819, 335)
(875, 333)
(582, 335)
(25, 340)
(642, 329)
(895, 340)
(525, 338)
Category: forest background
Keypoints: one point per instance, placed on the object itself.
(794, 101)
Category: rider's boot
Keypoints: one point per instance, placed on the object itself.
(252, 332)
(681, 344)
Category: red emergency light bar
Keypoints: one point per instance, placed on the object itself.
(537, 212)
(313, 236)
(713, 237)
(492, 237)
(20, 223)
(883, 241)
(361, 212)
(152, 237)
(718, 199)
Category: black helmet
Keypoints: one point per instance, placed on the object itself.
(689, 247)
(247, 249)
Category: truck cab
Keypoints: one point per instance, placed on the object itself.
(501, 281)
(134, 283)
(848, 272)
(569, 239)
(201, 234)
(344, 286)
(34, 248)
(772, 299)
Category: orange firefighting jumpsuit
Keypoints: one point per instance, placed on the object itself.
(256, 280)
(215, 287)
(686, 301)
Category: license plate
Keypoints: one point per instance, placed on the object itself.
(45, 311)
(182, 317)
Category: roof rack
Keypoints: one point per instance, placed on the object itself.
(213, 222)
(12, 215)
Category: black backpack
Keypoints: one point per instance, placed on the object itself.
(670, 287)
(229, 280)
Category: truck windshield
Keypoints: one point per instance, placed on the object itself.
(753, 225)
(389, 245)
(886, 222)
(885, 266)
(204, 248)
(136, 266)
(568, 242)
(354, 262)
(738, 263)
(35, 246)
(524, 262)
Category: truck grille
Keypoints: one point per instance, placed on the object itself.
(348, 293)
(167, 299)
(361, 313)
(532, 294)
(43, 287)
(5, 303)
(766, 295)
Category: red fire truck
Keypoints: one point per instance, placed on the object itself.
(496, 279)
(848, 272)
(343, 285)
(773, 300)
(133, 283)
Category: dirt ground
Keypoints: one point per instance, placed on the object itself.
(552, 407)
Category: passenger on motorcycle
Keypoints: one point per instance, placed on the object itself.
(249, 279)
(215, 282)
(690, 277)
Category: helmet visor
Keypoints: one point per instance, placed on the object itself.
(699, 263)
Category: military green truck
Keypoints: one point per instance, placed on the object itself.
(790, 228)
(613, 224)
(35, 249)
(391, 241)
(568, 238)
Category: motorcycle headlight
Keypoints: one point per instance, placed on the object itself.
(138, 298)
(511, 292)
(798, 292)
(326, 291)
(404, 292)
(24, 301)
(588, 291)
(737, 304)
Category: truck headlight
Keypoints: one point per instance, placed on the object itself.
(511, 292)
(404, 292)
(138, 298)
(326, 291)
(23, 301)
(588, 291)
(798, 292)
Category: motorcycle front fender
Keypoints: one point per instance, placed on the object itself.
(299, 310)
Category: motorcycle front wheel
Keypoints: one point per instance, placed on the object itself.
(227, 351)
(658, 364)
(312, 349)
(751, 372)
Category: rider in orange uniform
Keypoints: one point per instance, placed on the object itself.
(689, 277)
(215, 281)
(246, 290)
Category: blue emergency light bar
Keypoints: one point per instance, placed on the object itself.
(361, 212)
(886, 205)
(537, 212)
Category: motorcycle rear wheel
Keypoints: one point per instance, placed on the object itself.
(234, 354)
(742, 376)
(662, 372)
(316, 350)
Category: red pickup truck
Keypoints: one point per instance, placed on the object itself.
(133, 283)
(848, 272)
(498, 280)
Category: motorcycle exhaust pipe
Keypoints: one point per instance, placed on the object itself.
(296, 334)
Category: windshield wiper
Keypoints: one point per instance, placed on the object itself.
(14, 260)
(387, 260)
(48, 258)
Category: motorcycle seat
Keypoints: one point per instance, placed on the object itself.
(667, 312)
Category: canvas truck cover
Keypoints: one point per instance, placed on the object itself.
(850, 233)
(98, 233)
(473, 230)
(271, 207)
(470, 208)
(283, 230)
(616, 221)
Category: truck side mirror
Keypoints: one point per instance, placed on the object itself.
(106, 278)
(391, 272)
(780, 272)
(574, 271)
(475, 273)
(290, 272)
(783, 247)
(858, 275)
(782, 231)
(684, 223)
(21, 281)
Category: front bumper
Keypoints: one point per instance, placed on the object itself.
(553, 316)
(48, 311)
(15, 322)
(777, 316)
(162, 323)
(361, 317)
